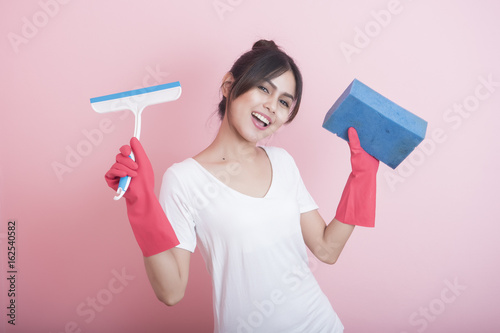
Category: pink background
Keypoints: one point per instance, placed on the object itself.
(431, 264)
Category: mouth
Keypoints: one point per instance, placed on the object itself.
(262, 120)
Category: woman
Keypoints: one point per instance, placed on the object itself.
(247, 208)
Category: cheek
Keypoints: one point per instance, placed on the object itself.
(243, 102)
(282, 117)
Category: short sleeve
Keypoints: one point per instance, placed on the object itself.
(305, 201)
(174, 201)
(304, 198)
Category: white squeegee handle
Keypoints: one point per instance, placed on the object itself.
(125, 181)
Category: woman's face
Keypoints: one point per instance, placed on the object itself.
(263, 109)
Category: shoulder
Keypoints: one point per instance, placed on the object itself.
(177, 174)
(180, 167)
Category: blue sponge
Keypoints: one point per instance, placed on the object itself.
(386, 131)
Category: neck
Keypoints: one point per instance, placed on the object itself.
(228, 145)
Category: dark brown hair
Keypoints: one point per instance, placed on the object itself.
(264, 61)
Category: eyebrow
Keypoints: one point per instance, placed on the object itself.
(274, 87)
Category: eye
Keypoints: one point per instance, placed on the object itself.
(264, 89)
(284, 103)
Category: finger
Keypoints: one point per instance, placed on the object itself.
(127, 161)
(353, 138)
(119, 170)
(129, 172)
(113, 182)
(115, 173)
(125, 150)
(139, 153)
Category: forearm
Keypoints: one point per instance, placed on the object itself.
(335, 237)
(325, 242)
(168, 274)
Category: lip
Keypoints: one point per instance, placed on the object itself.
(257, 123)
(265, 116)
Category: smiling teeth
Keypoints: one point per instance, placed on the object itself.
(261, 118)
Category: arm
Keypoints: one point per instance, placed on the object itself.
(356, 207)
(166, 266)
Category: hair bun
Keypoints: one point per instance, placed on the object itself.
(265, 44)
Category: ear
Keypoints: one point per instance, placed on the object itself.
(227, 83)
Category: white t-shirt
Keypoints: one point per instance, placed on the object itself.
(253, 247)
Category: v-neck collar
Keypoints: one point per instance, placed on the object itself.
(236, 191)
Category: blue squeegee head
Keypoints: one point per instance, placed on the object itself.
(386, 131)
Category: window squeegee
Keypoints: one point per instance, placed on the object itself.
(136, 101)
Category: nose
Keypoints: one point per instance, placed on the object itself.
(270, 104)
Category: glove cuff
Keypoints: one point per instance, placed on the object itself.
(150, 225)
(358, 201)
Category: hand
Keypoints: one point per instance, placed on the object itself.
(150, 225)
(357, 204)
(141, 171)
(361, 161)
(123, 167)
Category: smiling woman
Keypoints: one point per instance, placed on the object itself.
(246, 208)
(267, 104)
(260, 65)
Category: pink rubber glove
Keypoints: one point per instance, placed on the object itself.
(150, 225)
(357, 204)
